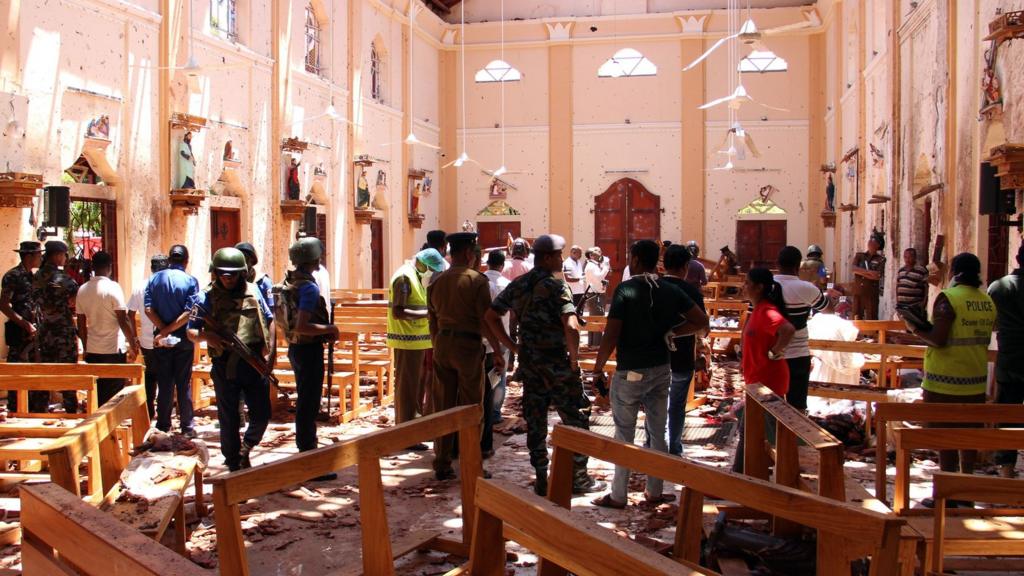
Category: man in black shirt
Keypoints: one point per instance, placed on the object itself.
(683, 358)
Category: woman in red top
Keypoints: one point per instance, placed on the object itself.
(766, 334)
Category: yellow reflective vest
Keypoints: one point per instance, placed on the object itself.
(960, 368)
(409, 334)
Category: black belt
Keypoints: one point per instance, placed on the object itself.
(459, 334)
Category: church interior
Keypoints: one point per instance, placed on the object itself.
(327, 144)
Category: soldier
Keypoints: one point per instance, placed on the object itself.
(812, 269)
(548, 351)
(18, 304)
(54, 293)
(457, 302)
(868, 280)
(264, 283)
(303, 316)
(236, 307)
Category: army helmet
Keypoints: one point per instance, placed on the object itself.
(305, 251)
(814, 249)
(229, 260)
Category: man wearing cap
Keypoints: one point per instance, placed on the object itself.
(237, 307)
(18, 304)
(812, 269)
(437, 239)
(137, 307)
(168, 299)
(103, 324)
(456, 304)
(868, 278)
(595, 273)
(409, 331)
(54, 293)
(696, 273)
(518, 265)
(264, 283)
(548, 348)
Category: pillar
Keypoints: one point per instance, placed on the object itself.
(560, 141)
(692, 184)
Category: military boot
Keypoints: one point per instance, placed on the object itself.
(540, 485)
(243, 454)
(585, 483)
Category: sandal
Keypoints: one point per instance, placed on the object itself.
(659, 499)
(607, 502)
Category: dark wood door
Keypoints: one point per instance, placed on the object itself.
(495, 234)
(758, 242)
(998, 248)
(321, 233)
(376, 253)
(225, 228)
(624, 213)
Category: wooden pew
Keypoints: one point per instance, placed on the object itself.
(845, 531)
(63, 535)
(134, 372)
(364, 452)
(924, 413)
(504, 511)
(948, 486)
(22, 385)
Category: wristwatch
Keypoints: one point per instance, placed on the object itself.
(773, 356)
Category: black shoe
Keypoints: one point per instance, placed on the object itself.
(326, 477)
(243, 456)
(540, 485)
(486, 454)
(418, 447)
(446, 474)
(189, 433)
(487, 475)
(588, 485)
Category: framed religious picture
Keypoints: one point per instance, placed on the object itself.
(497, 190)
(428, 186)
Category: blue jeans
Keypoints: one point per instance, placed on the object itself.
(499, 390)
(174, 378)
(627, 397)
(677, 394)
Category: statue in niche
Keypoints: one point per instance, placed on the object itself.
(415, 192)
(990, 87)
(186, 164)
(229, 153)
(292, 190)
(380, 191)
(362, 191)
(98, 128)
(830, 194)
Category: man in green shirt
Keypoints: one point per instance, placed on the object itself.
(1008, 294)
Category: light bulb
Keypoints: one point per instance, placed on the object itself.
(500, 171)
(331, 112)
(412, 139)
(461, 160)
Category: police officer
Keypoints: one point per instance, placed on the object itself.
(303, 316)
(237, 308)
(18, 305)
(264, 283)
(54, 293)
(457, 302)
(812, 269)
(548, 350)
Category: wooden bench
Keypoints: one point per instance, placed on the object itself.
(845, 531)
(364, 452)
(63, 535)
(504, 511)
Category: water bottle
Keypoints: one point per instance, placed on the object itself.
(171, 341)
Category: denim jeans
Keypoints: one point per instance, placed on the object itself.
(677, 394)
(627, 397)
(174, 378)
(308, 363)
(229, 383)
(499, 391)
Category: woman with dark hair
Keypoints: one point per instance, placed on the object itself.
(767, 333)
(956, 362)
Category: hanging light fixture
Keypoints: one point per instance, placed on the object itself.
(464, 156)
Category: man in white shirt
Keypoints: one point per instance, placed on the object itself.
(801, 298)
(830, 366)
(572, 273)
(103, 324)
(595, 273)
(494, 391)
(137, 306)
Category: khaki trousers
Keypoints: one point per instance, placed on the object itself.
(458, 381)
(409, 391)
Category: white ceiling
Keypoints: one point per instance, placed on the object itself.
(490, 10)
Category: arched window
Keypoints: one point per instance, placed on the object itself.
(498, 71)
(376, 74)
(223, 19)
(627, 62)
(313, 47)
(763, 61)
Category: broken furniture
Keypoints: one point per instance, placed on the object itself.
(363, 452)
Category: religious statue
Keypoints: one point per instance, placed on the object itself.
(292, 190)
(362, 191)
(380, 191)
(468, 226)
(229, 153)
(98, 127)
(497, 189)
(415, 191)
(830, 194)
(186, 164)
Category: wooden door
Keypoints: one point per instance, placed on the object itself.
(624, 213)
(225, 228)
(998, 248)
(495, 234)
(758, 242)
(376, 254)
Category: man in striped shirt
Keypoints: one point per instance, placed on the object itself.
(912, 284)
(801, 297)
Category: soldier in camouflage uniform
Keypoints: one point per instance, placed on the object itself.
(18, 305)
(547, 351)
(54, 292)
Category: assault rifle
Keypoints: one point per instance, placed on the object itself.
(231, 343)
(587, 296)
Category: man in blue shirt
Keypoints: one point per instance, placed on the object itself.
(236, 307)
(264, 283)
(168, 300)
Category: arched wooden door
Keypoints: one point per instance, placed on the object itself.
(624, 213)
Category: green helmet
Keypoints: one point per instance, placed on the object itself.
(229, 260)
(814, 249)
(305, 251)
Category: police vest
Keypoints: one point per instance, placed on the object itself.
(960, 368)
(286, 296)
(409, 334)
(239, 313)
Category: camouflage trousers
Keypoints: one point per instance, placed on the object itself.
(58, 342)
(548, 380)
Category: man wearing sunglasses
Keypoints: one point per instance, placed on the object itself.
(235, 306)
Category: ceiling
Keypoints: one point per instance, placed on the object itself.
(487, 10)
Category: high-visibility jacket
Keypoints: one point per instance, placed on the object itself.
(960, 368)
(409, 334)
